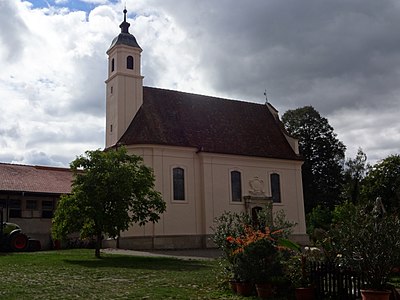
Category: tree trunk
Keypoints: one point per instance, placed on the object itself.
(98, 245)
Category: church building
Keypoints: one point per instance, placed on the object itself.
(209, 154)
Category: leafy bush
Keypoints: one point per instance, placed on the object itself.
(318, 222)
(257, 255)
(369, 242)
(251, 245)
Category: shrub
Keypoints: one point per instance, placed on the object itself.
(369, 242)
(249, 243)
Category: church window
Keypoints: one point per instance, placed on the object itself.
(236, 186)
(178, 175)
(275, 188)
(110, 127)
(112, 65)
(129, 62)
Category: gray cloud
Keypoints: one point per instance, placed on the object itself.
(13, 30)
(334, 55)
(41, 158)
(297, 48)
(341, 56)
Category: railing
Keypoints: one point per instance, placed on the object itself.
(333, 282)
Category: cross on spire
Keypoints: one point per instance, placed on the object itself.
(266, 97)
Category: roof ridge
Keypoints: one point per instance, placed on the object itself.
(204, 95)
(35, 166)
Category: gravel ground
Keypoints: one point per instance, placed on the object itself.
(190, 254)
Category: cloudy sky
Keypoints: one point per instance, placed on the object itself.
(340, 56)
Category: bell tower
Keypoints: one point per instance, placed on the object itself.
(124, 84)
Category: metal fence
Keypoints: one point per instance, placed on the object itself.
(333, 282)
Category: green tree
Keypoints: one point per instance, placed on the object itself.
(383, 180)
(355, 171)
(111, 190)
(319, 218)
(323, 153)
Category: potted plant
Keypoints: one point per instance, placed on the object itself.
(233, 230)
(297, 268)
(369, 241)
(258, 257)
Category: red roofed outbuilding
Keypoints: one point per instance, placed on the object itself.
(29, 194)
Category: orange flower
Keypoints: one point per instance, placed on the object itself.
(230, 239)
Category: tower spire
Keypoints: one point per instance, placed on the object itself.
(124, 25)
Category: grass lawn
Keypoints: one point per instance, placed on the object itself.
(76, 274)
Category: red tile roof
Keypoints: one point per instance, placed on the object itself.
(207, 123)
(35, 179)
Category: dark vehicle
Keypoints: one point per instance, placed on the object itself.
(12, 238)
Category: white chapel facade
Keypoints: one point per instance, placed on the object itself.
(209, 155)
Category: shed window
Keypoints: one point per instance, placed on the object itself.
(236, 186)
(31, 204)
(275, 188)
(178, 183)
(129, 62)
(47, 209)
(15, 209)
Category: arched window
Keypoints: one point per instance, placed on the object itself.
(112, 65)
(129, 62)
(236, 186)
(178, 175)
(275, 188)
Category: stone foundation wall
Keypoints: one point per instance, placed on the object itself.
(176, 242)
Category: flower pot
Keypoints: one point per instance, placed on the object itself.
(264, 290)
(304, 293)
(232, 284)
(375, 295)
(244, 288)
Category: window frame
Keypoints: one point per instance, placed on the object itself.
(15, 211)
(112, 67)
(29, 206)
(272, 175)
(130, 63)
(184, 200)
(46, 212)
(231, 198)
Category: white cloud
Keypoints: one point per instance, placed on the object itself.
(95, 1)
(340, 56)
(49, 91)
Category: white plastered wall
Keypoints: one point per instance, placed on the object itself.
(207, 184)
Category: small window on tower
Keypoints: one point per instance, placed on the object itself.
(129, 62)
(111, 128)
(111, 89)
(112, 65)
